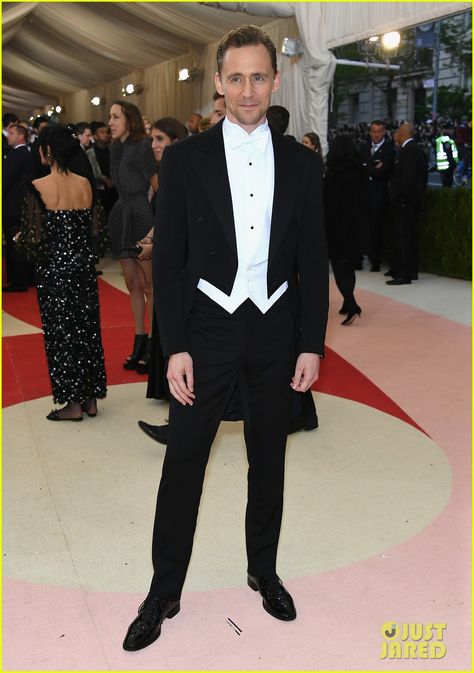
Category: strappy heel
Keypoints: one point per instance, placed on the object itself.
(143, 365)
(139, 344)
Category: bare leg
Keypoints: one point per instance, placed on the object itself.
(145, 275)
(134, 283)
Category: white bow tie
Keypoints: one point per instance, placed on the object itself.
(258, 140)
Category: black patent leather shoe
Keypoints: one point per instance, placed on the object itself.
(157, 432)
(146, 628)
(276, 599)
(303, 423)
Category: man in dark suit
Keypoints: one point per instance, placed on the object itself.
(9, 119)
(241, 266)
(407, 191)
(378, 157)
(17, 169)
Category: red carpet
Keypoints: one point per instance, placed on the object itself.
(26, 375)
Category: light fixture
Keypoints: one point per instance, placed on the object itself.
(58, 109)
(390, 41)
(188, 74)
(50, 113)
(97, 100)
(130, 89)
(368, 47)
(292, 46)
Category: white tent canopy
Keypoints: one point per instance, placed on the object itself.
(68, 52)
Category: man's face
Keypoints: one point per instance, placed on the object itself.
(193, 123)
(101, 135)
(85, 138)
(377, 132)
(14, 138)
(247, 82)
(219, 111)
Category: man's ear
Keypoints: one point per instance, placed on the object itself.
(218, 84)
(276, 82)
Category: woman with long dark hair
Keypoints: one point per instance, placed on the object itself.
(57, 234)
(345, 210)
(134, 174)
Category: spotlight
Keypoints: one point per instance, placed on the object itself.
(130, 89)
(58, 109)
(391, 41)
(292, 47)
(97, 100)
(188, 74)
(50, 113)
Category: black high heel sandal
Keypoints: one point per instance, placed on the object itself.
(143, 365)
(139, 344)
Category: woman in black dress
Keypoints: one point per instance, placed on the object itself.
(57, 233)
(134, 174)
(345, 211)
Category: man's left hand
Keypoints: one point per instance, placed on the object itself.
(306, 372)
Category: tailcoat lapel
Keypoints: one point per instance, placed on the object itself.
(215, 180)
(284, 186)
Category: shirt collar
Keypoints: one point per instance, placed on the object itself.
(236, 136)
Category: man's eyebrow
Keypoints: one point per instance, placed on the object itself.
(252, 74)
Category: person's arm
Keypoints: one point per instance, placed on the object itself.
(169, 254)
(312, 261)
(313, 281)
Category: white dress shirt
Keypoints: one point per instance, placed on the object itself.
(251, 171)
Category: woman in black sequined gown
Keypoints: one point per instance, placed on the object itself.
(57, 230)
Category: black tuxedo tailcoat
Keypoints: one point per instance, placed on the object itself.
(195, 234)
(195, 238)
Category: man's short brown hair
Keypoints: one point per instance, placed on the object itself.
(246, 36)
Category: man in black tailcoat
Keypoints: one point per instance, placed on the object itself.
(241, 266)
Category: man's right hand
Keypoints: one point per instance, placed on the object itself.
(180, 377)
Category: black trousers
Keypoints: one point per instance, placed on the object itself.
(19, 272)
(406, 241)
(377, 217)
(257, 352)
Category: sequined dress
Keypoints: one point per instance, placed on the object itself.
(61, 242)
